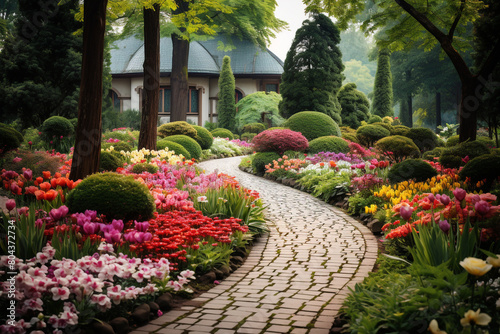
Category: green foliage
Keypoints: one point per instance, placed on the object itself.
(355, 105)
(109, 162)
(176, 128)
(261, 159)
(253, 128)
(400, 147)
(332, 185)
(351, 137)
(401, 130)
(369, 134)
(424, 138)
(374, 119)
(222, 133)
(385, 125)
(125, 136)
(113, 119)
(210, 126)
(10, 138)
(328, 144)
(188, 143)
(38, 161)
(453, 140)
(411, 169)
(359, 201)
(56, 126)
(484, 168)
(312, 75)
(358, 72)
(114, 195)
(454, 157)
(226, 107)
(433, 154)
(203, 137)
(313, 124)
(118, 146)
(247, 136)
(144, 167)
(258, 107)
(382, 89)
(173, 146)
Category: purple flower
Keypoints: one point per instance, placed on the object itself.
(117, 224)
(58, 214)
(113, 236)
(431, 198)
(445, 199)
(141, 226)
(444, 226)
(91, 228)
(482, 207)
(10, 204)
(405, 212)
(459, 194)
(39, 223)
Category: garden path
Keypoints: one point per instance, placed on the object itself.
(296, 276)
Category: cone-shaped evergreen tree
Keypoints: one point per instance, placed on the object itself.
(382, 89)
(313, 69)
(355, 105)
(226, 108)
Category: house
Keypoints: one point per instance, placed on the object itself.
(254, 70)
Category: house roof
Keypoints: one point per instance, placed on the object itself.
(127, 57)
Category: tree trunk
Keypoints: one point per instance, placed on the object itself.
(438, 109)
(410, 110)
(88, 131)
(179, 79)
(151, 91)
(469, 106)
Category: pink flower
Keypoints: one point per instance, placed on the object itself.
(482, 207)
(91, 228)
(444, 226)
(141, 226)
(405, 212)
(459, 194)
(117, 224)
(61, 137)
(58, 214)
(445, 199)
(30, 143)
(28, 174)
(10, 204)
(466, 159)
(60, 293)
(17, 159)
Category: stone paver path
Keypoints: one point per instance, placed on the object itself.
(296, 277)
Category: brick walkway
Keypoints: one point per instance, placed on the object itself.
(294, 280)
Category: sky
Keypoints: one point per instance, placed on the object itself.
(292, 12)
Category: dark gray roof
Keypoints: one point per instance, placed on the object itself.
(127, 57)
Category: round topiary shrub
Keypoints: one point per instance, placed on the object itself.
(10, 138)
(120, 135)
(109, 162)
(434, 154)
(74, 121)
(313, 124)
(203, 137)
(172, 146)
(424, 138)
(188, 143)
(118, 146)
(472, 149)
(400, 130)
(351, 137)
(247, 136)
(369, 134)
(450, 158)
(411, 169)
(222, 133)
(385, 125)
(276, 128)
(144, 167)
(253, 128)
(347, 129)
(484, 168)
(114, 195)
(328, 144)
(388, 120)
(177, 128)
(279, 141)
(400, 147)
(55, 127)
(261, 159)
(374, 119)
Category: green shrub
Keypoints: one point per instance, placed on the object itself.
(374, 119)
(388, 120)
(203, 137)
(74, 121)
(454, 157)
(453, 140)
(433, 154)
(114, 195)
(247, 136)
(411, 169)
(386, 126)
(473, 149)
(328, 144)
(172, 146)
(10, 138)
(483, 168)
(313, 125)
(424, 138)
(277, 128)
(351, 137)
(222, 133)
(188, 143)
(55, 127)
(119, 146)
(401, 147)
(261, 159)
(254, 128)
(369, 134)
(109, 162)
(38, 161)
(144, 167)
(401, 130)
(347, 129)
(120, 135)
(450, 158)
(176, 128)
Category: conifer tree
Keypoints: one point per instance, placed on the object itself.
(355, 105)
(313, 69)
(382, 89)
(226, 108)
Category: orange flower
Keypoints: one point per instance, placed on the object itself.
(51, 195)
(333, 164)
(38, 180)
(45, 186)
(53, 183)
(57, 175)
(20, 184)
(62, 181)
(46, 175)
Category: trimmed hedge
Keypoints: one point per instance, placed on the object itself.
(144, 167)
(222, 133)
(385, 125)
(328, 144)
(119, 146)
(424, 138)
(248, 137)
(172, 146)
(253, 128)
(433, 154)
(483, 168)
(10, 138)
(280, 141)
(177, 128)
(401, 130)
(109, 162)
(56, 126)
(313, 124)
(411, 169)
(401, 147)
(188, 143)
(374, 119)
(452, 157)
(261, 159)
(203, 137)
(453, 140)
(369, 134)
(114, 195)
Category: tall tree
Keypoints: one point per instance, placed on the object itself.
(382, 87)
(313, 69)
(427, 23)
(88, 131)
(226, 109)
(39, 63)
(151, 92)
(355, 105)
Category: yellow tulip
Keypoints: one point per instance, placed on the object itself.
(475, 266)
(475, 317)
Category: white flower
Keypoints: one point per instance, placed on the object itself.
(202, 199)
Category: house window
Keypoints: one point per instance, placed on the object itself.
(115, 100)
(238, 95)
(166, 97)
(272, 87)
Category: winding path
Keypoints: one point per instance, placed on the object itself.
(296, 277)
